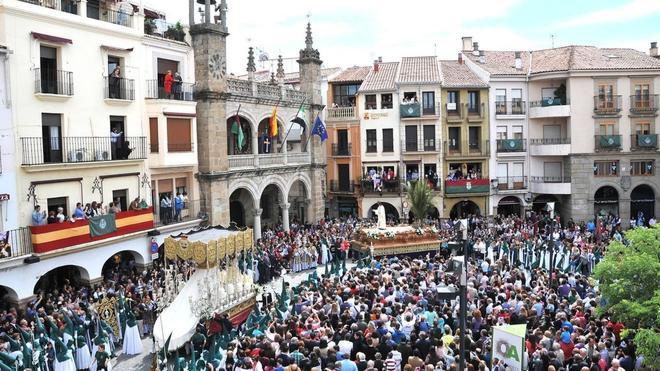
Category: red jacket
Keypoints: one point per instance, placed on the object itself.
(168, 83)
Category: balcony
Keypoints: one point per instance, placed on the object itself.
(337, 187)
(455, 149)
(53, 237)
(550, 146)
(607, 105)
(511, 145)
(67, 6)
(53, 82)
(162, 216)
(551, 184)
(429, 145)
(182, 91)
(467, 186)
(454, 112)
(253, 162)
(476, 113)
(121, 16)
(17, 243)
(512, 183)
(644, 142)
(410, 110)
(342, 149)
(368, 186)
(643, 104)
(342, 114)
(549, 107)
(160, 28)
(119, 88)
(604, 143)
(270, 93)
(513, 108)
(40, 151)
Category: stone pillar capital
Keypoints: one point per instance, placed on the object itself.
(285, 206)
(257, 212)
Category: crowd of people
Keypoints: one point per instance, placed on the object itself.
(387, 314)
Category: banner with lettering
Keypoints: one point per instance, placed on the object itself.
(509, 346)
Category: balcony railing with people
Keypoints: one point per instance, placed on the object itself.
(53, 82)
(342, 149)
(474, 148)
(380, 185)
(122, 16)
(15, 243)
(179, 91)
(644, 142)
(190, 210)
(341, 187)
(607, 104)
(511, 183)
(67, 6)
(510, 107)
(644, 104)
(511, 145)
(607, 143)
(119, 88)
(39, 151)
(342, 113)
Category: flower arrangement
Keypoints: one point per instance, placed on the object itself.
(390, 234)
(419, 234)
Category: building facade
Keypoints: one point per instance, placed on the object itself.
(466, 146)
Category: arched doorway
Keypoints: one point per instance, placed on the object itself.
(240, 205)
(268, 144)
(606, 201)
(642, 203)
(122, 264)
(297, 200)
(391, 213)
(509, 205)
(56, 278)
(464, 209)
(7, 297)
(271, 198)
(543, 203)
(233, 135)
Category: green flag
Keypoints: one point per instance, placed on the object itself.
(102, 224)
(237, 128)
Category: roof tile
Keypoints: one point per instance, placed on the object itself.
(419, 70)
(352, 74)
(382, 80)
(455, 75)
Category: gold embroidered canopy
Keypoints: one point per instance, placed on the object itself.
(208, 254)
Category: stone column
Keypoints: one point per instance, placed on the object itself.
(82, 8)
(285, 215)
(255, 148)
(257, 223)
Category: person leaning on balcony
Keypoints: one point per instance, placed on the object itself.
(135, 204)
(60, 215)
(177, 83)
(167, 84)
(38, 216)
(114, 81)
(78, 213)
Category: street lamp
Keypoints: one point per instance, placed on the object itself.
(460, 263)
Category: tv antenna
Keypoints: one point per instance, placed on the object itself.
(552, 38)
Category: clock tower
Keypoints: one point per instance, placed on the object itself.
(209, 39)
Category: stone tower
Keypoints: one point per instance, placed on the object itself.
(309, 64)
(209, 39)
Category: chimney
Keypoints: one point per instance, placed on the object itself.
(475, 48)
(460, 58)
(380, 59)
(467, 43)
(482, 56)
(375, 65)
(653, 52)
(518, 61)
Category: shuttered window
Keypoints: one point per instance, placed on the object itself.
(178, 135)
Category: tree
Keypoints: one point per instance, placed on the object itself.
(420, 198)
(628, 279)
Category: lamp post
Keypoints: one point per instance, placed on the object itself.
(463, 298)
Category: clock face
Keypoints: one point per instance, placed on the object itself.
(217, 66)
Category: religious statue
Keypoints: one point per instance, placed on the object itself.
(380, 213)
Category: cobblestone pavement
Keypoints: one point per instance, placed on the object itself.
(142, 362)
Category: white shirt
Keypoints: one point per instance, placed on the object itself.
(345, 346)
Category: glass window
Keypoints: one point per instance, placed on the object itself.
(372, 145)
(452, 101)
(344, 95)
(642, 167)
(388, 140)
(516, 102)
(370, 101)
(500, 101)
(606, 168)
(643, 128)
(474, 137)
(428, 103)
(411, 138)
(607, 128)
(386, 101)
(501, 132)
(429, 138)
(517, 132)
(473, 101)
(454, 141)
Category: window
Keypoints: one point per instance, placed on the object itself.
(56, 202)
(452, 101)
(642, 97)
(500, 101)
(428, 103)
(48, 70)
(51, 134)
(386, 101)
(454, 141)
(370, 101)
(642, 167)
(473, 101)
(606, 168)
(181, 185)
(371, 141)
(410, 96)
(429, 138)
(411, 138)
(605, 96)
(344, 95)
(388, 140)
(517, 132)
(606, 128)
(178, 135)
(474, 137)
(516, 102)
(552, 172)
(501, 132)
(643, 128)
(153, 134)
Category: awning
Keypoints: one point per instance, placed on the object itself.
(53, 39)
(116, 49)
(179, 114)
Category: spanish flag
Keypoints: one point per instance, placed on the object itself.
(273, 123)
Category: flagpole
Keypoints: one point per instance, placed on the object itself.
(312, 129)
(290, 126)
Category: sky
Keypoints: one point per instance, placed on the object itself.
(355, 32)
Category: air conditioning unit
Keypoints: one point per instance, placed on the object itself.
(77, 155)
(102, 155)
(451, 106)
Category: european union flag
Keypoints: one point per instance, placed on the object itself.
(319, 129)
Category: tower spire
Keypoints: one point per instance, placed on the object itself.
(308, 37)
(251, 68)
(280, 69)
(309, 52)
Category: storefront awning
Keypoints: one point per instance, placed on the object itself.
(50, 38)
